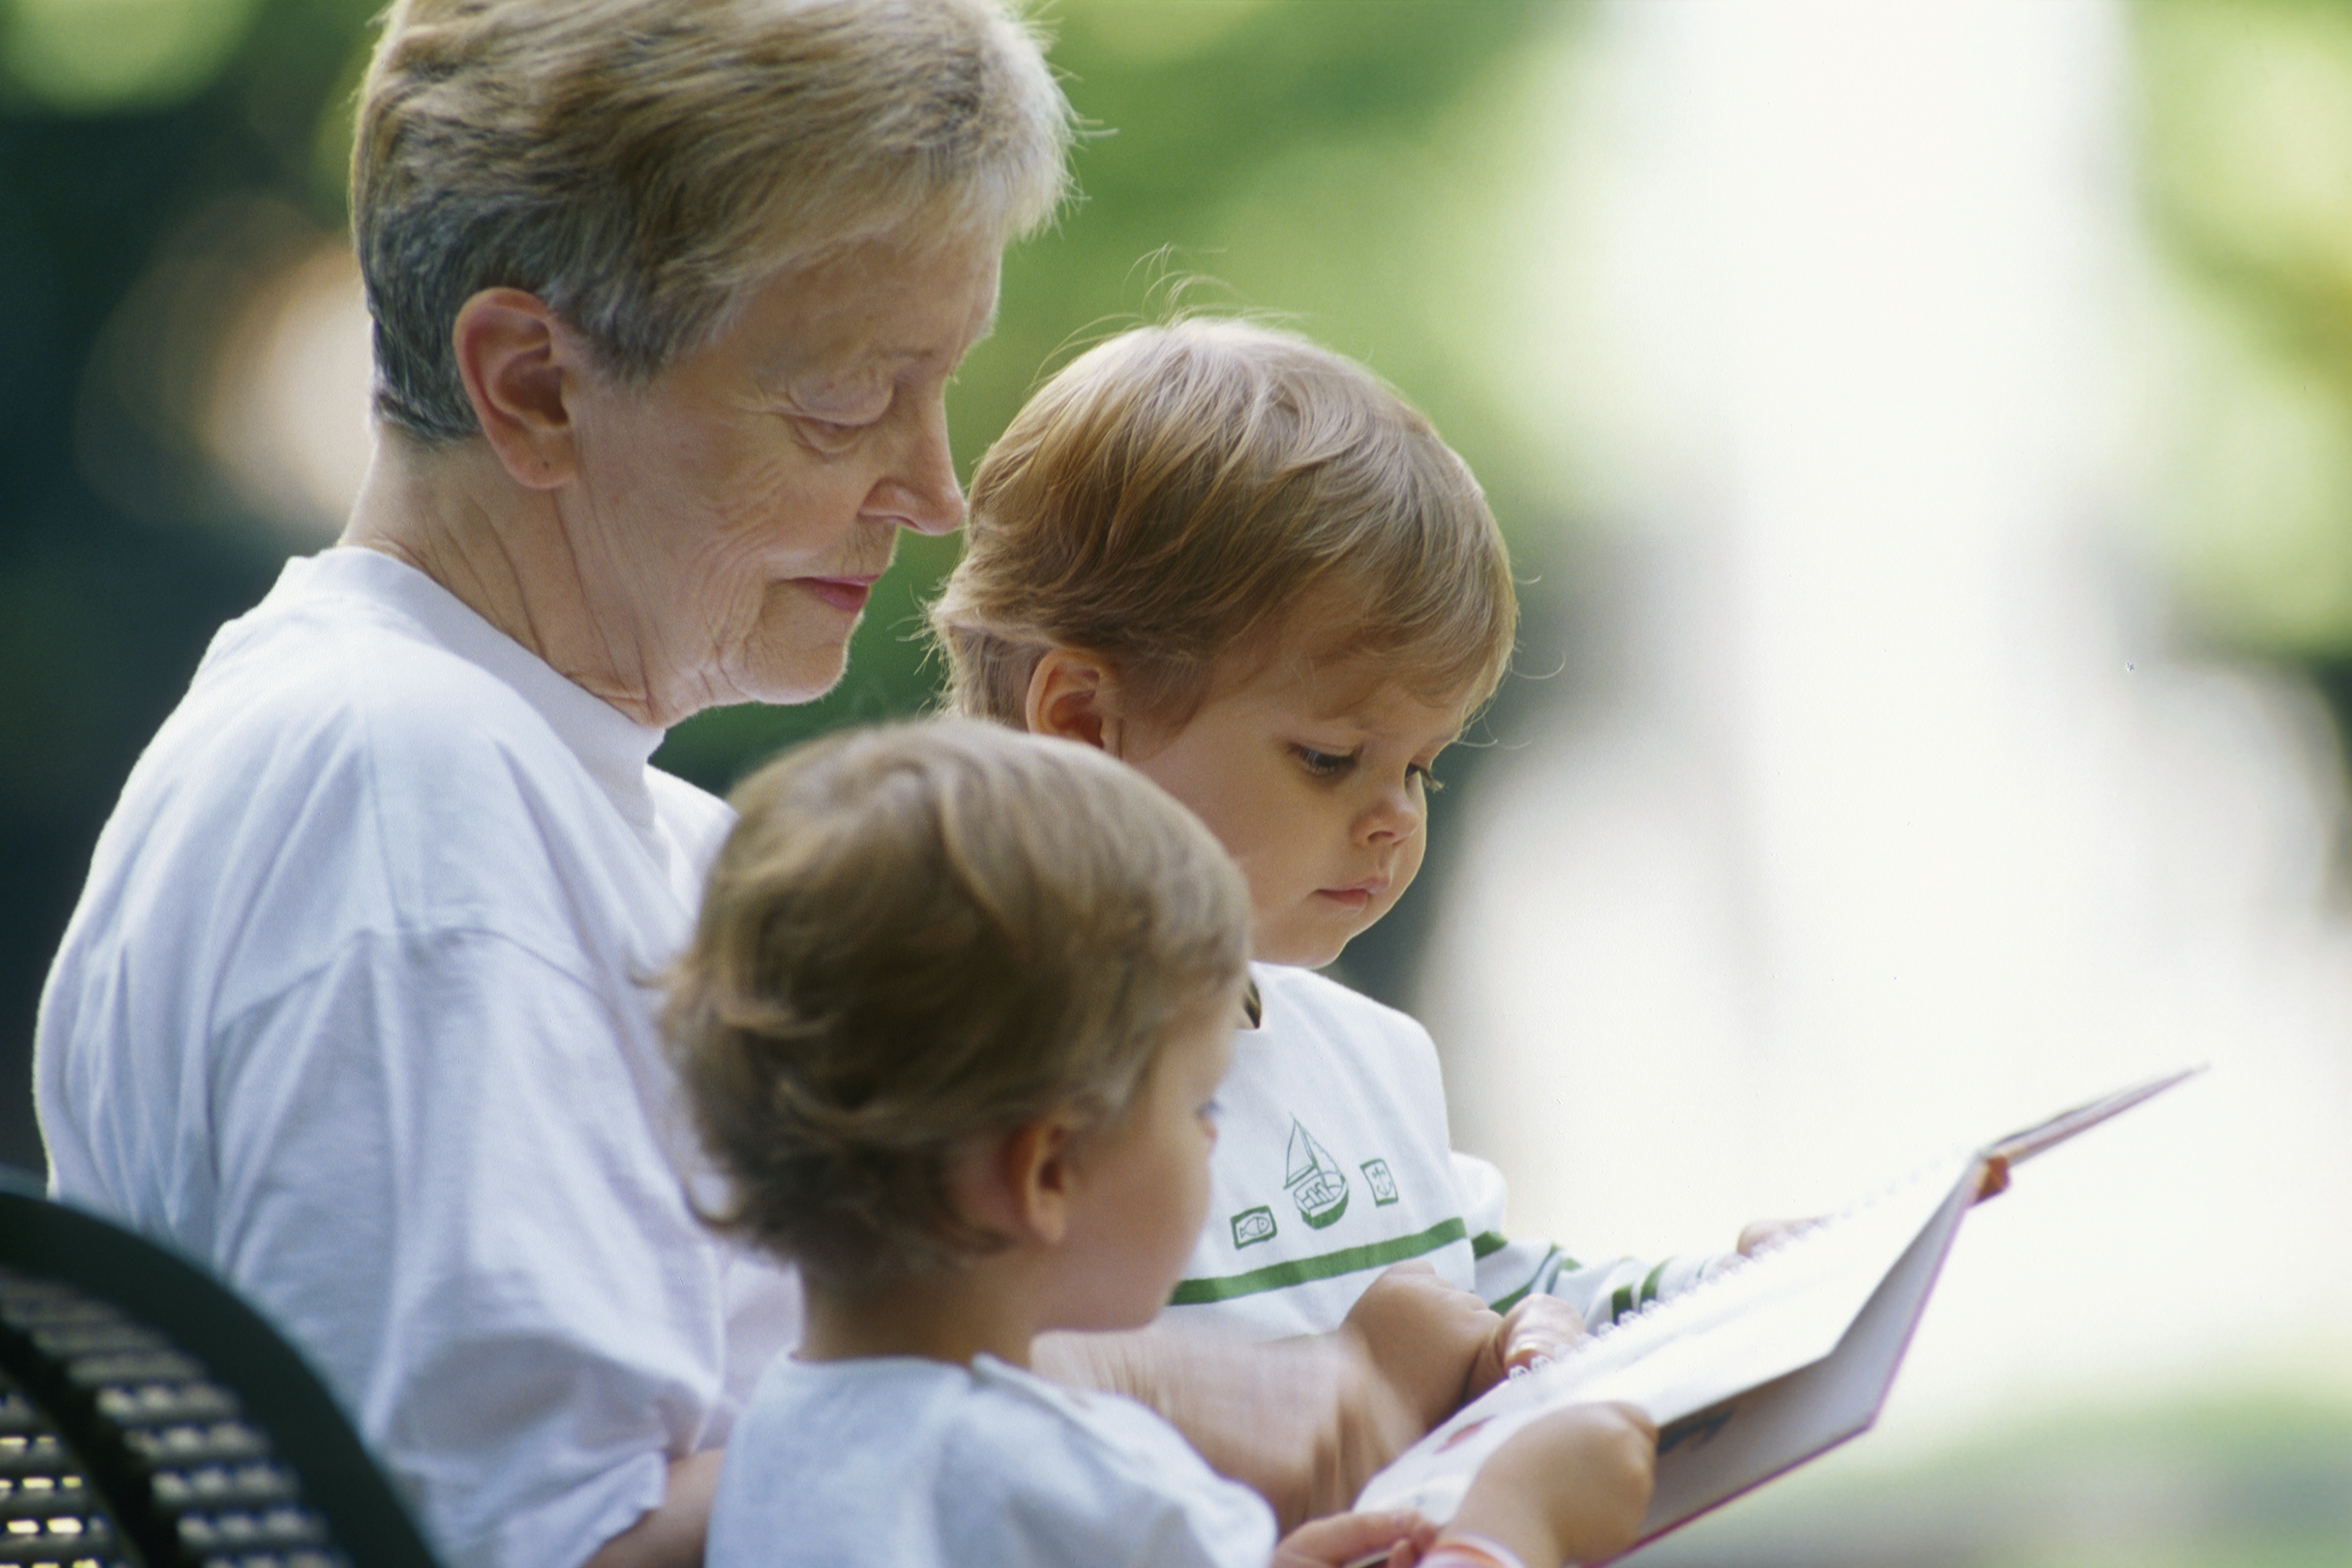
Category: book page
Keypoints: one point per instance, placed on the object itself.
(1764, 1365)
(1707, 1457)
(1760, 1319)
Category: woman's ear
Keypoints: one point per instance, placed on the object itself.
(1074, 696)
(513, 356)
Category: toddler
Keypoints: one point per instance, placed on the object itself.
(1246, 566)
(951, 1028)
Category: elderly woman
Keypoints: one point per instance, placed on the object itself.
(665, 295)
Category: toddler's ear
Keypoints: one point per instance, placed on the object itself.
(1039, 1176)
(1075, 697)
(1015, 1184)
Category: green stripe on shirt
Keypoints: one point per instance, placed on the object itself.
(1506, 1302)
(1305, 1270)
(1650, 1285)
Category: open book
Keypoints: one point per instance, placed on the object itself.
(1766, 1364)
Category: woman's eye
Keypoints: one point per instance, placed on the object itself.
(835, 424)
(829, 434)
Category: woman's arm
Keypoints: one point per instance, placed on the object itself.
(671, 1535)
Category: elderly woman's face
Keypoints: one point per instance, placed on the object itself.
(731, 517)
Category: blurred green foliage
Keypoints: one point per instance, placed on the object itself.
(112, 56)
(2250, 1477)
(119, 120)
(2245, 135)
(1335, 164)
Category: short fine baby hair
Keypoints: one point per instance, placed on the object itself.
(922, 934)
(643, 165)
(1181, 492)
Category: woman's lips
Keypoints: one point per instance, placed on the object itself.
(847, 595)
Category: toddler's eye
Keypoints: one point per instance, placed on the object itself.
(1430, 782)
(1324, 764)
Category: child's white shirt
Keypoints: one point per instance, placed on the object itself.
(912, 1463)
(1334, 1161)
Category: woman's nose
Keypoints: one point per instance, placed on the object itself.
(920, 492)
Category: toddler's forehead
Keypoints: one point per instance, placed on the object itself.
(1324, 685)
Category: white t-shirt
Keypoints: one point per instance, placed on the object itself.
(1333, 1162)
(351, 1009)
(901, 1462)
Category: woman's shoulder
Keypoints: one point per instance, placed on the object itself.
(359, 669)
(333, 756)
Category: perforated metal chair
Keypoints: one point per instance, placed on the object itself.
(149, 1419)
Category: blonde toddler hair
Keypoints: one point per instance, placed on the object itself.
(1179, 493)
(923, 934)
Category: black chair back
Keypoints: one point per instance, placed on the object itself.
(150, 1418)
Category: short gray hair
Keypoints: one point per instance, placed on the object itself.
(641, 165)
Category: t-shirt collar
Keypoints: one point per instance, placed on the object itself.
(613, 746)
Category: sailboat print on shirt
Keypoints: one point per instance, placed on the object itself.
(1314, 1178)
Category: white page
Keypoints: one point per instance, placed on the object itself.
(1777, 1358)
(1766, 1317)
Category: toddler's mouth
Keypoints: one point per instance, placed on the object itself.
(1357, 896)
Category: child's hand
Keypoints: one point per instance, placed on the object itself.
(1342, 1538)
(1424, 1338)
(1573, 1487)
(1539, 1329)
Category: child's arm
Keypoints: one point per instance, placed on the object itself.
(1439, 1345)
(1307, 1422)
(1571, 1488)
(1304, 1422)
(1423, 1338)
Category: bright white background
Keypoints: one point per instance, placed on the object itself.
(1902, 816)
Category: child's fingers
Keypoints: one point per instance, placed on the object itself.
(1539, 1329)
(1341, 1538)
(1763, 1233)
